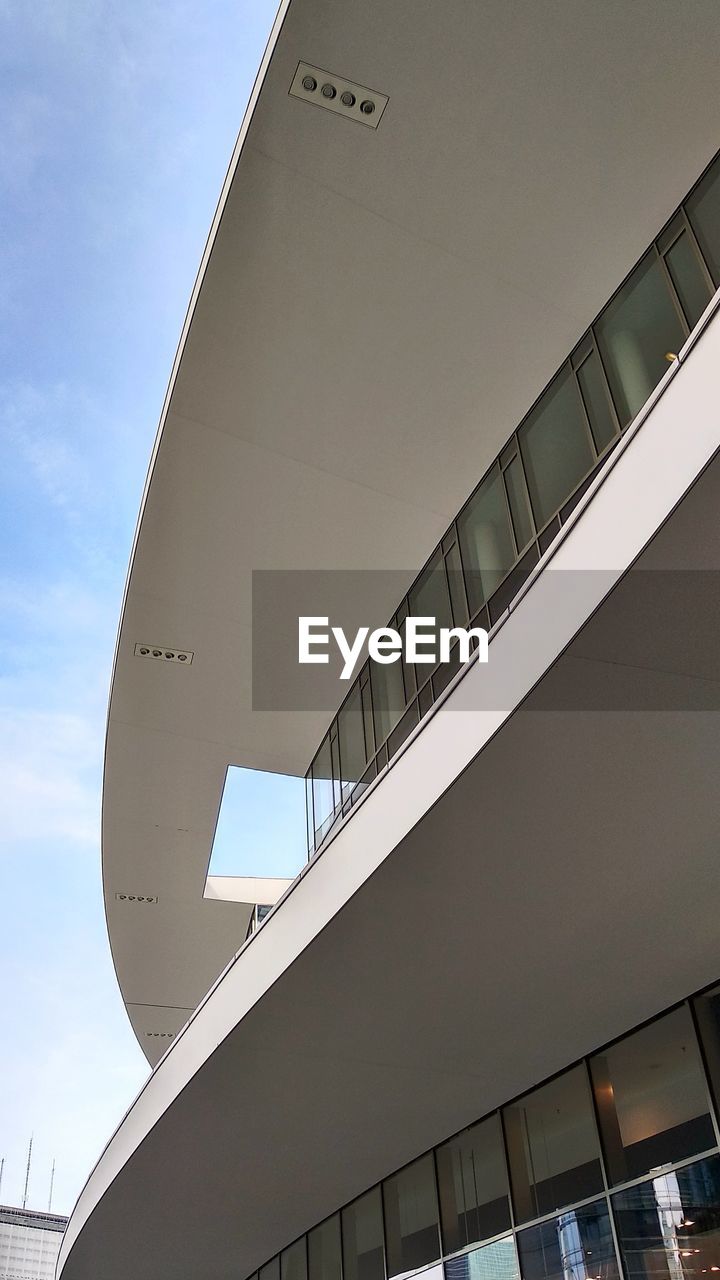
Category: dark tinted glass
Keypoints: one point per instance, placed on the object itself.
(687, 275)
(553, 1146)
(556, 447)
(635, 333)
(324, 1253)
(703, 210)
(496, 1261)
(362, 1237)
(472, 1182)
(669, 1227)
(411, 1217)
(651, 1098)
(578, 1245)
(293, 1261)
(486, 540)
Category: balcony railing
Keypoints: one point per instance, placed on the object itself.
(526, 495)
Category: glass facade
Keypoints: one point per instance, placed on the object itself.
(528, 493)
(610, 1169)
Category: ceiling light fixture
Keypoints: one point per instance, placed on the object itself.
(354, 101)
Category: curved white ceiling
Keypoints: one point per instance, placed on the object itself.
(376, 312)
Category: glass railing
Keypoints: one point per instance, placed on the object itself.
(526, 495)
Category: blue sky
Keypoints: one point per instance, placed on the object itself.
(118, 123)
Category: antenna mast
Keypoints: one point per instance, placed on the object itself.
(27, 1173)
(2, 1167)
(52, 1180)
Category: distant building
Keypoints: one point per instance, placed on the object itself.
(29, 1243)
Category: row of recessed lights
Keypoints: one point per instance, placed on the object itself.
(134, 897)
(161, 1035)
(167, 655)
(347, 97)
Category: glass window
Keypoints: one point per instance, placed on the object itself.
(293, 1261)
(429, 598)
(362, 1238)
(703, 211)
(351, 740)
(597, 402)
(556, 447)
(669, 1227)
(324, 1253)
(496, 1261)
(686, 273)
(651, 1098)
(472, 1182)
(635, 333)
(578, 1245)
(519, 505)
(707, 1009)
(552, 1144)
(457, 586)
(388, 695)
(486, 541)
(411, 1217)
(271, 1270)
(322, 788)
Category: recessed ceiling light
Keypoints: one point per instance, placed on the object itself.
(354, 101)
(165, 654)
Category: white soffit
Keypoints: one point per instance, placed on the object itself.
(379, 309)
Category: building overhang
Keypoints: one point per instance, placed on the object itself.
(375, 312)
(536, 873)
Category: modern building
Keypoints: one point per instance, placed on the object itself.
(457, 319)
(29, 1243)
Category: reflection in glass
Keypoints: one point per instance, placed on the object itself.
(472, 1182)
(689, 278)
(324, 1254)
(578, 1245)
(703, 210)
(651, 1098)
(293, 1261)
(496, 1261)
(486, 541)
(362, 1237)
(351, 740)
(669, 1227)
(635, 333)
(552, 1145)
(411, 1217)
(556, 447)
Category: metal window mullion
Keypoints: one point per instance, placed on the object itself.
(696, 245)
(674, 296)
